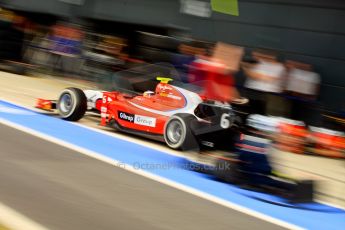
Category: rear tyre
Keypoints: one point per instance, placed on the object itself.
(178, 134)
(72, 104)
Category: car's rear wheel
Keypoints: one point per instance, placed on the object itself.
(178, 134)
(72, 104)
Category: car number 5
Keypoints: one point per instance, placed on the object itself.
(224, 121)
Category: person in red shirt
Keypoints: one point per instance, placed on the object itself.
(216, 81)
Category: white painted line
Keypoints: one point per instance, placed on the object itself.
(16, 221)
(154, 177)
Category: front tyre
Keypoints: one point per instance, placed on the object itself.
(178, 134)
(72, 104)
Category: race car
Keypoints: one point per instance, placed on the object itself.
(150, 101)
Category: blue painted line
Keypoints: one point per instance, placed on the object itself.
(309, 216)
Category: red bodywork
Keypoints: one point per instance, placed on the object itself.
(45, 104)
(145, 113)
(328, 143)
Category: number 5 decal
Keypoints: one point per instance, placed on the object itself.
(224, 121)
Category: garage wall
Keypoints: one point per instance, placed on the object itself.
(152, 12)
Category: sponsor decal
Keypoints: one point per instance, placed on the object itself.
(137, 119)
(126, 116)
(207, 143)
(164, 87)
(143, 120)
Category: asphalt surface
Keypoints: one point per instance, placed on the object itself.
(63, 189)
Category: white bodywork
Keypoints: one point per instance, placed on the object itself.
(92, 96)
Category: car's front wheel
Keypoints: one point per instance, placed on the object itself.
(72, 104)
(178, 134)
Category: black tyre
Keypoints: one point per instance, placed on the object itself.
(227, 171)
(72, 104)
(178, 134)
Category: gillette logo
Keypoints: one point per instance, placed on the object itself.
(126, 116)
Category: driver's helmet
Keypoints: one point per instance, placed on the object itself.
(148, 94)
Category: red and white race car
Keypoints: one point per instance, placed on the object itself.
(164, 110)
